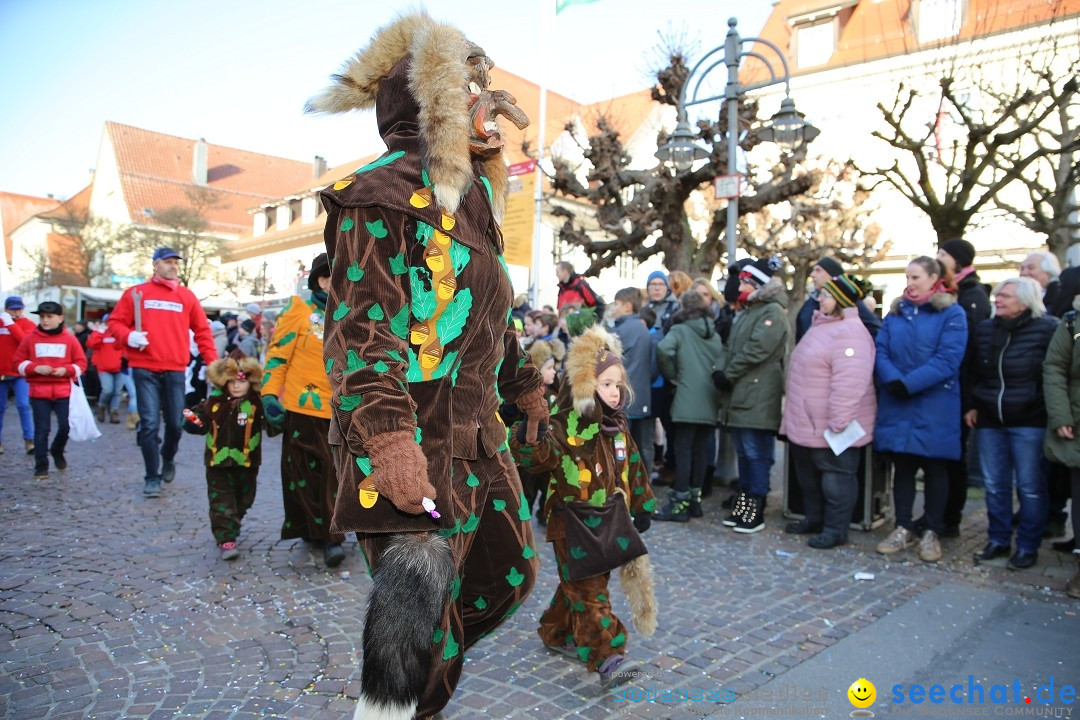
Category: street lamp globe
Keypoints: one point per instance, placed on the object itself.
(682, 150)
(789, 128)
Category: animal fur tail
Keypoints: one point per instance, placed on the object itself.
(637, 582)
(411, 583)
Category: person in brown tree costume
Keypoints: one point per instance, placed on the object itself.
(420, 354)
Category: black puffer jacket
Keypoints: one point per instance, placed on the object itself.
(1006, 371)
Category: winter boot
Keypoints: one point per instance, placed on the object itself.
(753, 517)
(677, 508)
(101, 413)
(114, 417)
(132, 420)
(738, 506)
(695, 502)
(1072, 588)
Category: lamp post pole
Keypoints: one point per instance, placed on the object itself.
(788, 128)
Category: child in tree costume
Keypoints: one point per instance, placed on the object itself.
(420, 353)
(232, 421)
(592, 458)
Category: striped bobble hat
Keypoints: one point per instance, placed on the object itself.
(846, 289)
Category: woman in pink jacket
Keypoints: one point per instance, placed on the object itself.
(830, 385)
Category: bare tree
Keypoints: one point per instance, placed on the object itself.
(237, 283)
(1051, 182)
(632, 206)
(40, 271)
(185, 230)
(96, 241)
(832, 218)
(953, 181)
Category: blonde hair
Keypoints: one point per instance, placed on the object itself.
(679, 282)
(714, 294)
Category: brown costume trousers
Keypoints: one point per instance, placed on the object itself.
(231, 491)
(308, 479)
(492, 545)
(580, 614)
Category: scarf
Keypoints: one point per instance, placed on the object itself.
(923, 298)
(962, 274)
(319, 298)
(612, 420)
(55, 331)
(171, 284)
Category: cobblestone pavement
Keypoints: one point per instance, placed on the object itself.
(116, 606)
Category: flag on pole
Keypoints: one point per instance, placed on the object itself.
(561, 5)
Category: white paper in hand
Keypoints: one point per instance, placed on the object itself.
(841, 441)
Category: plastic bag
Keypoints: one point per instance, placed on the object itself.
(80, 416)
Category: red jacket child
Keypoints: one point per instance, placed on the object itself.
(54, 349)
(108, 351)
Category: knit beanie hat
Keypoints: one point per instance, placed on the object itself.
(831, 265)
(846, 289)
(248, 325)
(961, 250)
(760, 271)
(658, 274)
(606, 359)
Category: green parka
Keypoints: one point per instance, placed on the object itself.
(1061, 386)
(753, 360)
(687, 356)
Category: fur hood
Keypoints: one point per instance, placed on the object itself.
(222, 371)
(435, 59)
(581, 360)
(541, 350)
(772, 291)
(938, 301)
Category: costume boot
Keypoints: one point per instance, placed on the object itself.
(1072, 588)
(132, 420)
(677, 508)
(101, 413)
(695, 502)
(114, 417)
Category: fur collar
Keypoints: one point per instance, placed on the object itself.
(438, 75)
(581, 366)
(772, 290)
(938, 301)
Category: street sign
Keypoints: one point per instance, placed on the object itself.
(728, 186)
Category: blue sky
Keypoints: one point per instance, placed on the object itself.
(237, 72)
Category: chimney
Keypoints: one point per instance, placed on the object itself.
(318, 168)
(200, 158)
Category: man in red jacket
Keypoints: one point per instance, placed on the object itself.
(13, 328)
(50, 359)
(154, 319)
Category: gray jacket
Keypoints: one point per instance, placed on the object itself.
(638, 357)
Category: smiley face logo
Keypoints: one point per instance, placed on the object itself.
(862, 694)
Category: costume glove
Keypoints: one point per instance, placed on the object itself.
(523, 431)
(643, 521)
(274, 411)
(535, 406)
(137, 339)
(721, 381)
(898, 389)
(400, 470)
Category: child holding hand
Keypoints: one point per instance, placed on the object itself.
(232, 420)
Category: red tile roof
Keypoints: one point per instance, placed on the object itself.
(875, 29)
(156, 173)
(16, 209)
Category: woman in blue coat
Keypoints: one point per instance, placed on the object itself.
(919, 352)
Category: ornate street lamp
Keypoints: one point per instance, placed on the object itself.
(788, 128)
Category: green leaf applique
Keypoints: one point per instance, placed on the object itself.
(380, 367)
(397, 264)
(347, 224)
(570, 471)
(472, 480)
(286, 339)
(377, 229)
(399, 324)
(590, 432)
(499, 505)
(273, 363)
(380, 162)
(423, 299)
(353, 362)
(577, 552)
(471, 524)
(598, 498)
(364, 464)
(622, 542)
(459, 256)
(453, 319)
(355, 272)
(592, 521)
(514, 577)
(254, 441)
(329, 364)
(348, 403)
(375, 312)
(342, 311)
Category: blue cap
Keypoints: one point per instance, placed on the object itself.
(658, 274)
(14, 302)
(163, 253)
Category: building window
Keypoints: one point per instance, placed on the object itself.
(939, 19)
(814, 44)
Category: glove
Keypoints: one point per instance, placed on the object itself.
(400, 470)
(202, 373)
(535, 406)
(643, 521)
(523, 431)
(137, 340)
(898, 389)
(721, 381)
(274, 411)
(6, 319)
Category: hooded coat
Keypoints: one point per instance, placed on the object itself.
(417, 323)
(1061, 384)
(687, 356)
(922, 346)
(753, 360)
